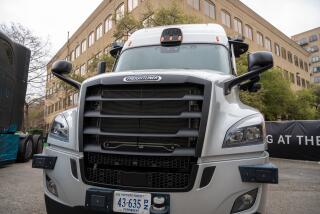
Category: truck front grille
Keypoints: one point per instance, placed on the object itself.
(140, 114)
(143, 136)
(151, 172)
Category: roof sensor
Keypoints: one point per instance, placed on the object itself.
(171, 37)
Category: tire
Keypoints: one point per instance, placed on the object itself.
(39, 146)
(37, 139)
(25, 149)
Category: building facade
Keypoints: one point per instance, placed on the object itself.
(310, 41)
(95, 35)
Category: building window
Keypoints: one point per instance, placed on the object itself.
(286, 74)
(56, 106)
(301, 63)
(289, 56)
(70, 100)
(237, 25)
(83, 46)
(303, 82)
(284, 53)
(315, 59)
(77, 51)
(248, 32)
(82, 69)
(267, 43)
(132, 4)
(194, 3)
(226, 18)
(302, 41)
(292, 78)
(306, 67)
(259, 38)
(91, 39)
(209, 9)
(75, 98)
(296, 61)
(313, 38)
(99, 32)
(108, 24)
(316, 79)
(298, 80)
(316, 69)
(60, 104)
(277, 49)
(120, 12)
(72, 56)
(313, 49)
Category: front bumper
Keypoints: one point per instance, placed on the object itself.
(218, 196)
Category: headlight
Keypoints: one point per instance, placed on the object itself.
(250, 130)
(60, 128)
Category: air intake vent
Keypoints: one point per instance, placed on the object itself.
(143, 172)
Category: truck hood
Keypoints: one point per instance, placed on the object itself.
(213, 76)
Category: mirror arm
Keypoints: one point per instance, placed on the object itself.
(229, 84)
(68, 80)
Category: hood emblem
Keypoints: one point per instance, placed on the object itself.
(142, 78)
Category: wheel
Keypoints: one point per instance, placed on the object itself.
(25, 149)
(39, 146)
(37, 139)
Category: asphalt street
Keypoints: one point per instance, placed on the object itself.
(298, 191)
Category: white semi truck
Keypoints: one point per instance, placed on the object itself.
(165, 132)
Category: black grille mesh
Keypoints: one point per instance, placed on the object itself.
(145, 107)
(139, 171)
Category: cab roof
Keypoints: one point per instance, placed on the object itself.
(192, 33)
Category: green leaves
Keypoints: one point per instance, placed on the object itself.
(164, 16)
(171, 16)
(276, 100)
(92, 67)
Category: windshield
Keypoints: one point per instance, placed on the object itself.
(186, 56)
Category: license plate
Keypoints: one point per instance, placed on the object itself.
(131, 202)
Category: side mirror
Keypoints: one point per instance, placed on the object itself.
(102, 67)
(258, 62)
(61, 67)
(116, 50)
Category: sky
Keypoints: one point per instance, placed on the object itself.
(54, 18)
(48, 18)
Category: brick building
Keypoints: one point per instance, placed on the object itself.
(94, 36)
(310, 41)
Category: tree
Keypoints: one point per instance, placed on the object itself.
(276, 99)
(169, 16)
(304, 106)
(104, 57)
(38, 60)
(163, 16)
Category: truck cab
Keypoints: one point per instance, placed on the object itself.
(165, 132)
